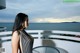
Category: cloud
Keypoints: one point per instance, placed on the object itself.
(56, 20)
(41, 9)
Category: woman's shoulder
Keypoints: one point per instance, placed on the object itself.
(16, 33)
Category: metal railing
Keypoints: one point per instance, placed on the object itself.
(47, 34)
(40, 35)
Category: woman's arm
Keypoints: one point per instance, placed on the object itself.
(15, 42)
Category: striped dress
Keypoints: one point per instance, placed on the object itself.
(26, 42)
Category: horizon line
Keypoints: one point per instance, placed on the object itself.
(46, 22)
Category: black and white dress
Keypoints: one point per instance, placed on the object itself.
(26, 42)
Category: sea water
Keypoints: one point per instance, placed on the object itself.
(47, 26)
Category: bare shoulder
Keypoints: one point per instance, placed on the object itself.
(15, 33)
(15, 39)
(15, 36)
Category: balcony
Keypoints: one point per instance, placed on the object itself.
(63, 41)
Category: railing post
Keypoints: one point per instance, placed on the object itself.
(39, 33)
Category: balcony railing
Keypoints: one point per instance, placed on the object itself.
(41, 35)
(47, 34)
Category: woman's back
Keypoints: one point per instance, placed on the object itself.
(26, 42)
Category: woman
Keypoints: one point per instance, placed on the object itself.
(20, 38)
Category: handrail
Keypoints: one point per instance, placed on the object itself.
(74, 36)
(29, 31)
(2, 29)
(40, 31)
(66, 32)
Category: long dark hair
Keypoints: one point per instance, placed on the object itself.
(20, 18)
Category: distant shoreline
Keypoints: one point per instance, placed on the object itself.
(44, 22)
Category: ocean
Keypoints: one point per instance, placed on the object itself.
(47, 26)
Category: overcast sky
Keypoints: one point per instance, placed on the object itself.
(42, 10)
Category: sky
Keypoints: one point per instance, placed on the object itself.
(42, 11)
